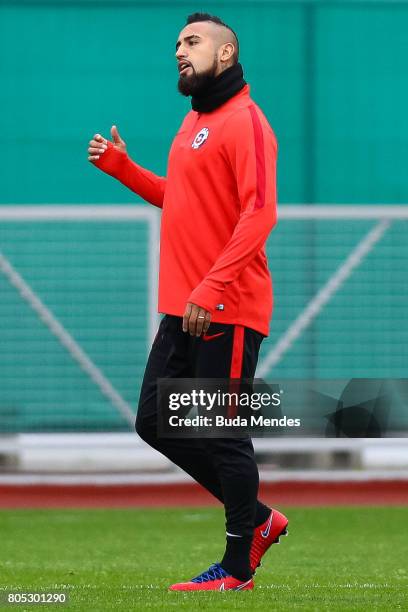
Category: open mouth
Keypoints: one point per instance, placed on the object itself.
(184, 67)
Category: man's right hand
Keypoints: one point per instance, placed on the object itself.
(99, 144)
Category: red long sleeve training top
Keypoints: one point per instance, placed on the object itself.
(219, 205)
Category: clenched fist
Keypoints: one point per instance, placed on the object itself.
(99, 144)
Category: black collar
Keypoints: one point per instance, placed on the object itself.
(221, 89)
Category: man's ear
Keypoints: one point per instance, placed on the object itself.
(227, 51)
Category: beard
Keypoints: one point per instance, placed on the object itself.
(196, 83)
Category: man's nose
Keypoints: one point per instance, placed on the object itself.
(180, 52)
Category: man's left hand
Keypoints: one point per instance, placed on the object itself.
(196, 320)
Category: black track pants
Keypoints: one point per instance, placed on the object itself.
(224, 466)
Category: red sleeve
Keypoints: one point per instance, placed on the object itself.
(251, 149)
(146, 184)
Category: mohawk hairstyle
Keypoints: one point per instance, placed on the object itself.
(195, 17)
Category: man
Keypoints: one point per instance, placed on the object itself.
(219, 205)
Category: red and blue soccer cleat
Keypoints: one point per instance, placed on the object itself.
(214, 579)
(217, 579)
(265, 535)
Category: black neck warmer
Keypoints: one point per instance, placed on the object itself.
(220, 89)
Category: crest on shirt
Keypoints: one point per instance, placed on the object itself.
(200, 138)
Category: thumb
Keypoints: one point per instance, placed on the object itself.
(115, 135)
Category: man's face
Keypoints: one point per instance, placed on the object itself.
(197, 58)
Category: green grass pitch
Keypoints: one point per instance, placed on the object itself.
(334, 559)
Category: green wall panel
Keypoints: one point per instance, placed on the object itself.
(330, 76)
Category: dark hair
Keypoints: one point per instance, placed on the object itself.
(207, 17)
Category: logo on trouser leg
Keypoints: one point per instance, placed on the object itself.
(206, 337)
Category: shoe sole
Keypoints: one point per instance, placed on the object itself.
(284, 532)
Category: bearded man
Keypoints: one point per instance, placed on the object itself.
(218, 204)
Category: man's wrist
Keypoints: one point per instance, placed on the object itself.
(205, 297)
(112, 161)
